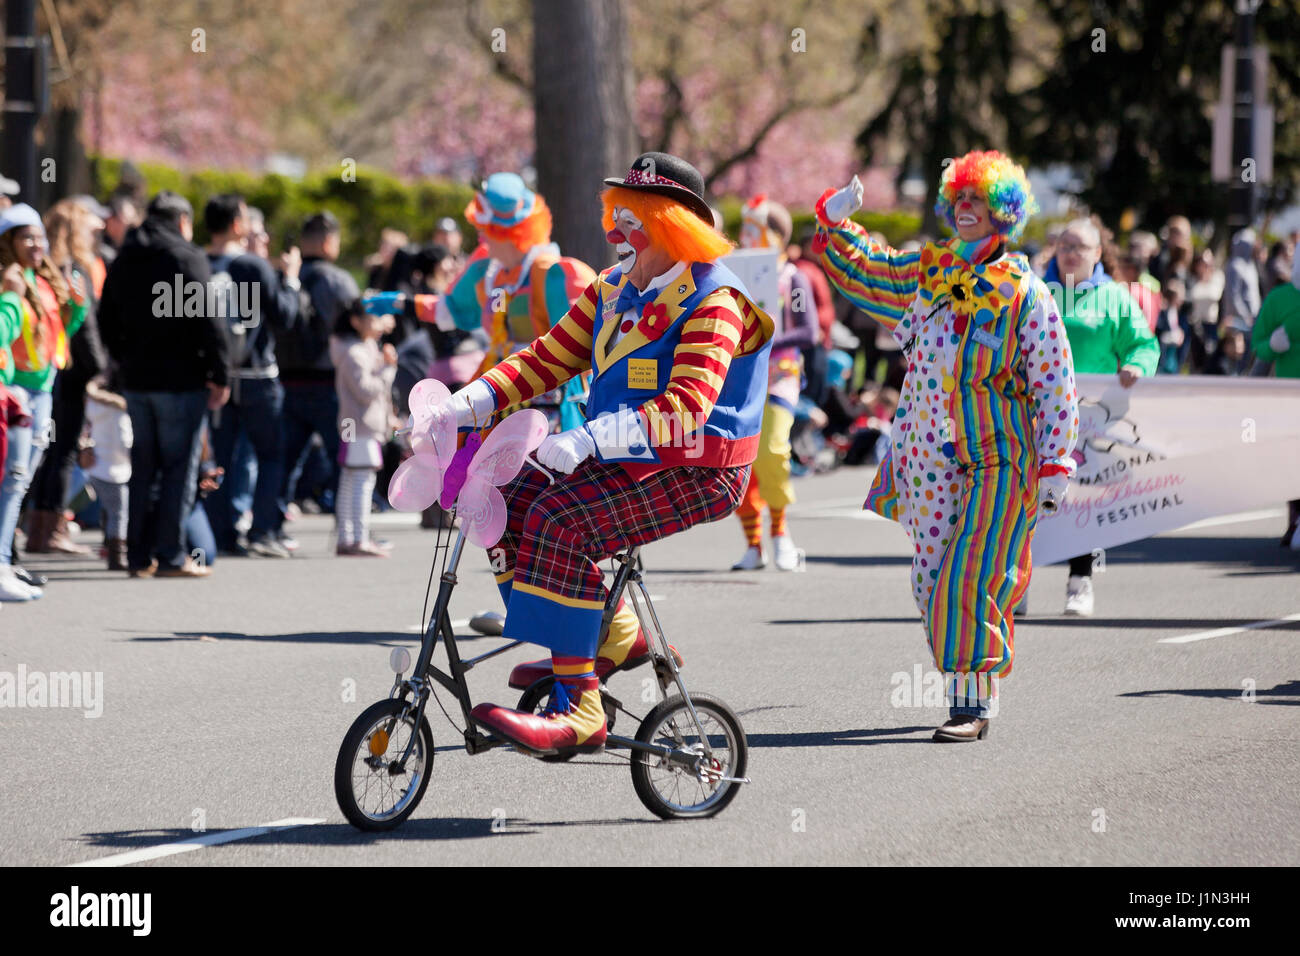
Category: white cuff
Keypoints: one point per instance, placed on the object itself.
(620, 436)
(442, 316)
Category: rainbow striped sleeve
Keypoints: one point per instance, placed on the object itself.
(877, 279)
(722, 326)
(552, 359)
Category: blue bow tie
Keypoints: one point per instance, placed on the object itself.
(630, 298)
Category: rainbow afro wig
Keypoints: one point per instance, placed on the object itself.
(1000, 181)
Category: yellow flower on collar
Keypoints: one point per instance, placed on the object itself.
(958, 286)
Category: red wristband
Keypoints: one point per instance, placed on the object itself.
(820, 208)
(1046, 471)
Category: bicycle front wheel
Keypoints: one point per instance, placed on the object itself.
(372, 790)
(670, 788)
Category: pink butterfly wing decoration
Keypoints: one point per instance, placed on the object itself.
(481, 507)
(417, 482)
(433, 422)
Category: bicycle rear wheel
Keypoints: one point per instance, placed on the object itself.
(373, 793)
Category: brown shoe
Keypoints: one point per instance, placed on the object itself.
(146, 572)
(40, 528)
(365, 549)
(116, 549)
(190, 569)
(962, 729)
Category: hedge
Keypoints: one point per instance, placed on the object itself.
(378, 200)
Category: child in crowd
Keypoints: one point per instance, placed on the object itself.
(106, 458)
(363, 376)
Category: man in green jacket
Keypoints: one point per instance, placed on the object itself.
(1276, 339)
(1108, 333)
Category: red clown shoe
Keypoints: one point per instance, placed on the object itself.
(572, 723)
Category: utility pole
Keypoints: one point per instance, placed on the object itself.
(22, 109)
(1241, 191)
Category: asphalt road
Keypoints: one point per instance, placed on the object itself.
(224, 702)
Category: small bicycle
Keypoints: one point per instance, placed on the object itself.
(687, 758)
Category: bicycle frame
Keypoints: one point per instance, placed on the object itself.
(477, 742)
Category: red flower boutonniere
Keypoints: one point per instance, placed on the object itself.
(654, 320)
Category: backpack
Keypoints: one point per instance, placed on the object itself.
(301, 345)
(223, 299)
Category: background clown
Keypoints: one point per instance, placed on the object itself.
(987, 418)
(767, 225)
(679, 356)
(516, 285)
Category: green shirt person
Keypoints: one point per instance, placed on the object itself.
(1108, 333)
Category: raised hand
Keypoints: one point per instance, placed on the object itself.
(845, 202)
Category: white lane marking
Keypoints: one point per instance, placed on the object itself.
(1239, 518)
(198, 842)
(1226, 631)
(456, 625)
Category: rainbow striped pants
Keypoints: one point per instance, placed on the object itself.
(971, 529)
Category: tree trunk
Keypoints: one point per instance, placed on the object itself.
(582, 108)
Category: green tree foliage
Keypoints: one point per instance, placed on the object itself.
(373, 201)
(1129, 102)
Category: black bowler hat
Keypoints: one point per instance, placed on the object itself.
(669, 176)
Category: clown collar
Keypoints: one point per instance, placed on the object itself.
(975, 279)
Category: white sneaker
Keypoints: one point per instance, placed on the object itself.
(12, 589)
(1078, 596)
(786, 555)
(753, 560)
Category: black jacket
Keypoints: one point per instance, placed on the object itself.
(155, 316)
(276, 307)
(302, 342)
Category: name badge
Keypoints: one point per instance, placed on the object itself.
(643, 373)
(987, 339)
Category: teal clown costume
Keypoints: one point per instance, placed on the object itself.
(986, 421)
(678, 355)
(515, 287)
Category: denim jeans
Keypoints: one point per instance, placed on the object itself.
(309, 409)
(168, 431)
(26, 446)
(257, 413)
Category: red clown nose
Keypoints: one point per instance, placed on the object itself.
(614, 237)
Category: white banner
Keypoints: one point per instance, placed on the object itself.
(759, 270)
(1171, 451)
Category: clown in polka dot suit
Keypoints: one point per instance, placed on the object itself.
(987, 418)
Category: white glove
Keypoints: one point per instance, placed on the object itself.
(567, 450)
(620, 436)
(474, 404)
(844, 202)
(1051, 492)
(1279, 341)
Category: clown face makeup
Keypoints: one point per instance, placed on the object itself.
(627, 237)
(971, 214)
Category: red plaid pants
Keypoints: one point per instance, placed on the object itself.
(557, 534)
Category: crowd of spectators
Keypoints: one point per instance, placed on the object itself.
(193, 400)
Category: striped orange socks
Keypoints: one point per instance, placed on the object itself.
(778, 522)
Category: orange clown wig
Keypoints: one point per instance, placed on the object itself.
(1000, 181)
(668, 224)
(534, 230)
